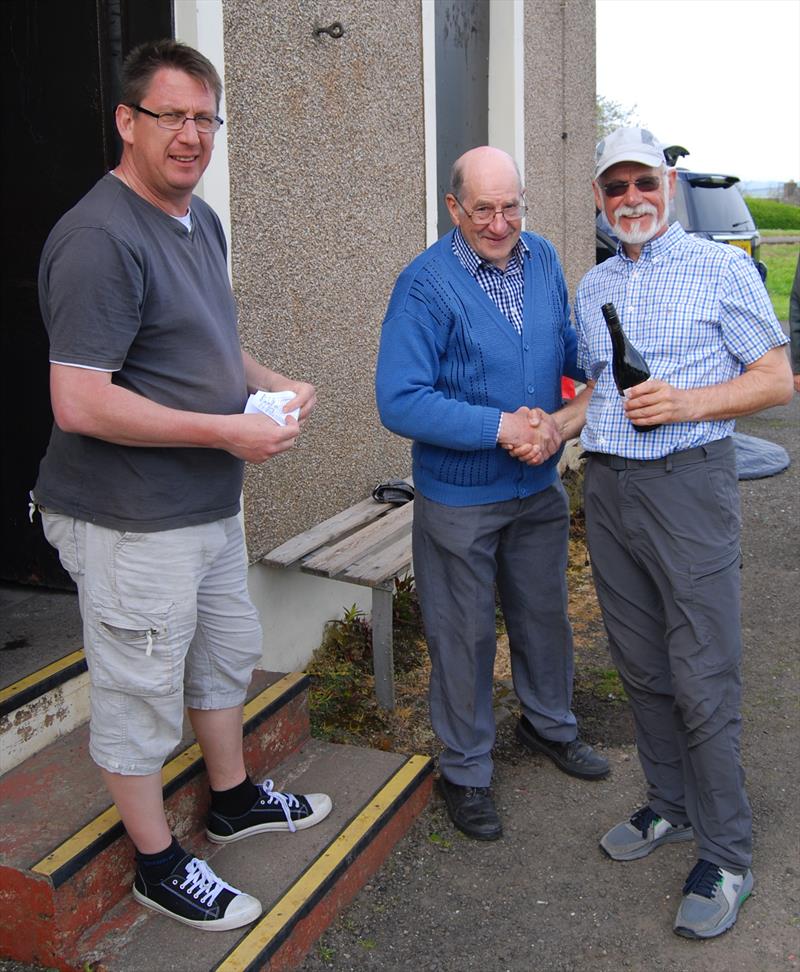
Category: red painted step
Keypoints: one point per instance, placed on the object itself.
(65, 860)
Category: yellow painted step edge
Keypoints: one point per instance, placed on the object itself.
(40, 676)
(283, 912)
(103, 822)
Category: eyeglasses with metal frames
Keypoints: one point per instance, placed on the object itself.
(174, 121)
(483, 215)
(646, 184)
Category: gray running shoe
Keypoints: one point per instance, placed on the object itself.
(640, 835)
(712, 897)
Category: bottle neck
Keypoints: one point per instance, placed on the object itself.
(617, 335)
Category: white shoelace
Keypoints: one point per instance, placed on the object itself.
(202, 883)
(285, 800)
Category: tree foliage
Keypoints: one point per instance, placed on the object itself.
(612, 115)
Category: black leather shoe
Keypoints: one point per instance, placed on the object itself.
(472, 810)
(576, 758)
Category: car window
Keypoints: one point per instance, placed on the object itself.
(677, 207)
(712, 208)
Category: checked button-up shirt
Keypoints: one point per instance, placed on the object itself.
(696, 310)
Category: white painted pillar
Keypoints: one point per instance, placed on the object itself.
(199, 23)
(507, 78)
(429, 103)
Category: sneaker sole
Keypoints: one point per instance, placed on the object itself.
(216, 924)
(279, 825)
(535, 746)
(729, 921)
(643, 851)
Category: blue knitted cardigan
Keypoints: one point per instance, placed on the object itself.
(449, 363)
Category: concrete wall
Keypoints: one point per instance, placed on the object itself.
(560, 128)
(326, 155)
(330, 197)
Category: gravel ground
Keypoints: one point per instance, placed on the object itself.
(545, 898)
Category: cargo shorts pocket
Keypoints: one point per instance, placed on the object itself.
(135, 650)
(66, 534)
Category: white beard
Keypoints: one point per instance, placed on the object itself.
(641, 234)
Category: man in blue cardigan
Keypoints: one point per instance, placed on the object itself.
(474, 344)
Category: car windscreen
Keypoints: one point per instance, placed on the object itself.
(715, 209)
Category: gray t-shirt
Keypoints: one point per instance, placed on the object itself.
(124, 287)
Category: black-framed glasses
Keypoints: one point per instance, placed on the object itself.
(483, 215)
(646, 184)
(174, 121)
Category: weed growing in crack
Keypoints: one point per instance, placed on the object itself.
(342, 695)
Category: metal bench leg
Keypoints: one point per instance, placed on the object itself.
(382, 657)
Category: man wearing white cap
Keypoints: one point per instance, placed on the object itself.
(662, 512)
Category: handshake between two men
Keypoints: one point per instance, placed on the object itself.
(530, 435)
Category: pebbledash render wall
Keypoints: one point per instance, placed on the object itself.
(560, 128)
(326, 143)
(326, 148)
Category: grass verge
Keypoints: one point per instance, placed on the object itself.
(781, 261)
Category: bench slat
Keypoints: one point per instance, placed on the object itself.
(288, 553)
(377, 568)
(332, 559)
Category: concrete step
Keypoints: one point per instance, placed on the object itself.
(41, 695)
(302, 880)
(37, 626)
(39, 707)
(64, 857)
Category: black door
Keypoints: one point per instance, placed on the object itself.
(60, 87)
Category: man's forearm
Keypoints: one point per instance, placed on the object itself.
(572, 417)
(748, 393)
(107, 411)
(87, 403)
(766, 382)
(259, 376)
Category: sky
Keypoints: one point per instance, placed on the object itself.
(719, 77)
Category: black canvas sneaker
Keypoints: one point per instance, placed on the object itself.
(272, 810)
(194, 894)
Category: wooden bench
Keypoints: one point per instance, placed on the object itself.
(368, 544)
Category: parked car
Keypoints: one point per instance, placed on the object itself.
(707, 204)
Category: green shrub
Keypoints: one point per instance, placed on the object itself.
(771, 214)
(342, 695)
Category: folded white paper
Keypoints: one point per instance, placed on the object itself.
(271, 404)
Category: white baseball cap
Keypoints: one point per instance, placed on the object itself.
(628, 145)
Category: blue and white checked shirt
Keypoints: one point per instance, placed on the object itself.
(697, 311)
(506, 288)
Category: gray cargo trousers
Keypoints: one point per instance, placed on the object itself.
(664, 539)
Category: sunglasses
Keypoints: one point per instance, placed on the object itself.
(645, 184)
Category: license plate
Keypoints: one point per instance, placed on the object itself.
(744, 244)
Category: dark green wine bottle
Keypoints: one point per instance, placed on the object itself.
(627, 365)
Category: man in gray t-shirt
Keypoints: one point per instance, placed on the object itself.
(139, 489)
